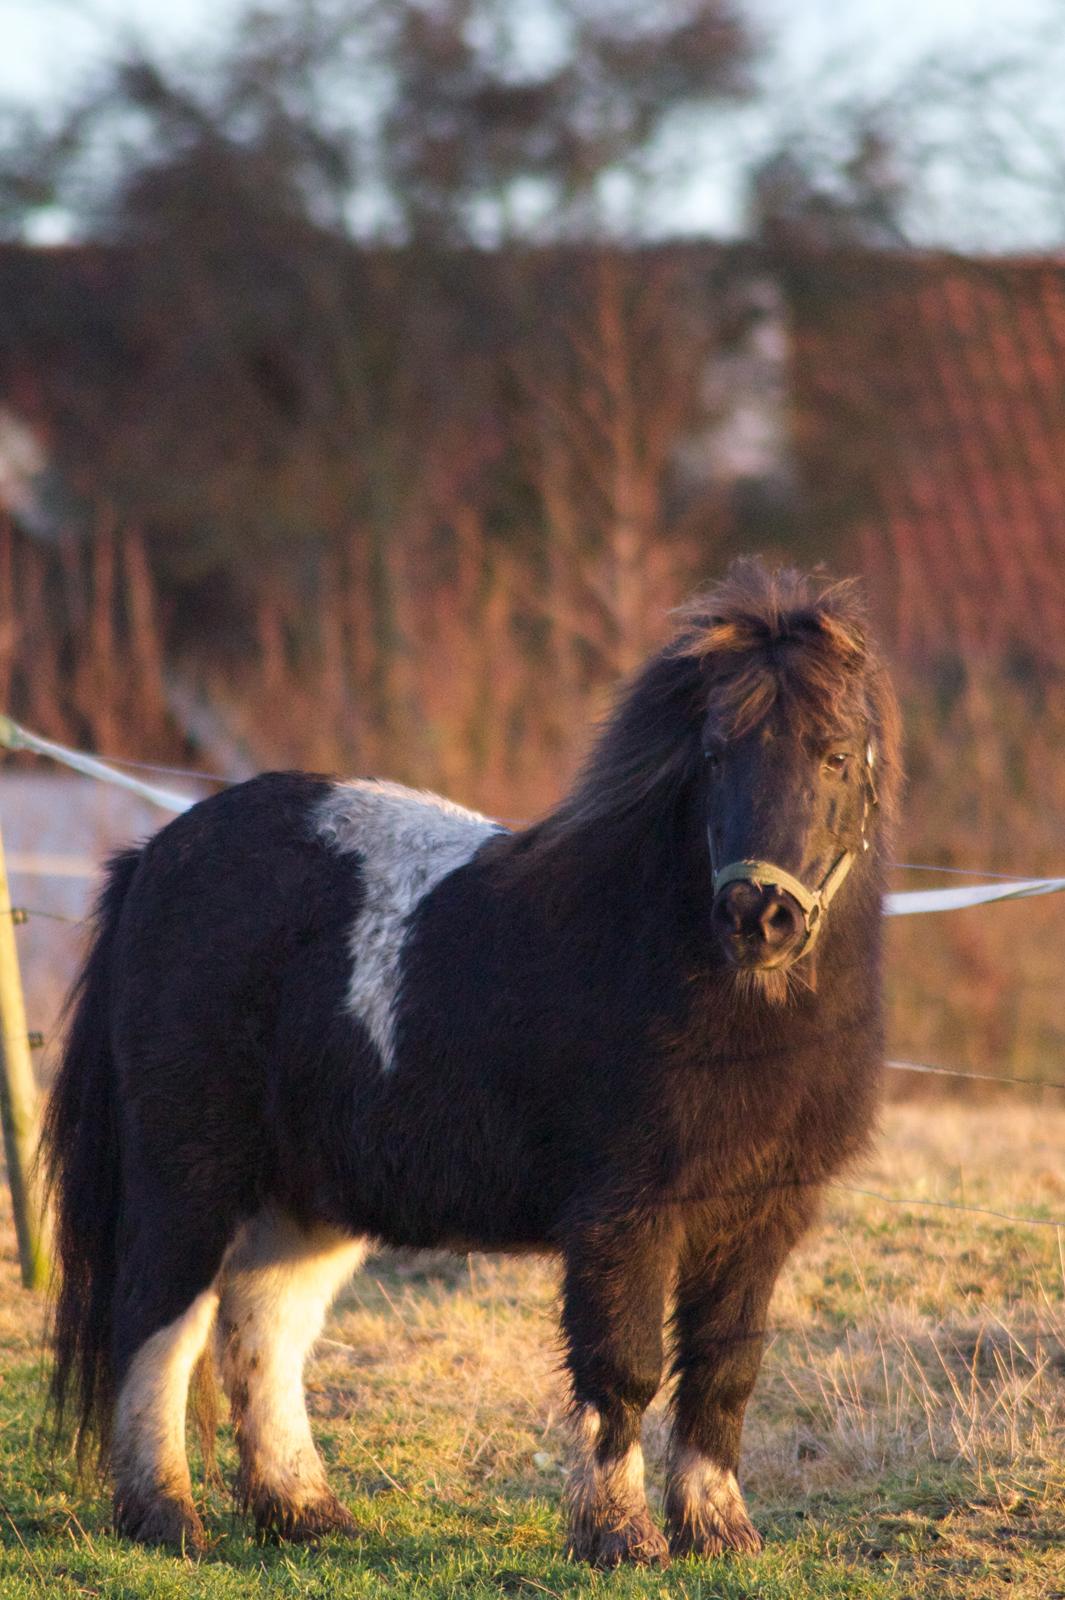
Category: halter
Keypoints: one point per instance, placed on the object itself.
(813, 903)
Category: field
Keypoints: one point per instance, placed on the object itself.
(907, 1437)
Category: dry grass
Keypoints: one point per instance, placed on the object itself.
(909, 1335)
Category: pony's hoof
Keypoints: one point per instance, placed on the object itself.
(304, 1523)
(635, 1542)
(705, 1510)
(320, 1519)
(709, 1534)
(162, 1520)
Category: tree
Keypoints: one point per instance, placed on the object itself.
(453, 119)
(489, 137)
(799, 201)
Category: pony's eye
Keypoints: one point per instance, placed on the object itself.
(837, 761)
(712, 759)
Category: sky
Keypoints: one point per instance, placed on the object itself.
(814, 47)
(51, 43)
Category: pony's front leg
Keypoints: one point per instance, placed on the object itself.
(722, 1300)
(612, 1320)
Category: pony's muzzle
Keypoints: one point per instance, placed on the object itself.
(759, 925)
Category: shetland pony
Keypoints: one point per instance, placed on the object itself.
(640, 1034)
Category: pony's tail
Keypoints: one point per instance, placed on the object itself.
(82, 1165)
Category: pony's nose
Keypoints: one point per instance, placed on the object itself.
(757, 922)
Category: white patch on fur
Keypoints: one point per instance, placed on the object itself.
(409, 842)
(150, 1459)
(609, 1492)
(277, 1284)
(697, 1480)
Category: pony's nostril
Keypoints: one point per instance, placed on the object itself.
(736, 908)
(726, 915)
(779, 920)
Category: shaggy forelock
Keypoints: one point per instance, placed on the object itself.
(762, 639)
(769, 637)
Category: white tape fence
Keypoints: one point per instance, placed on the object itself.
(19, 738)
(904, 903)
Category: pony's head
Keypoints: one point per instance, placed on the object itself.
(757, 755)
(798, 744)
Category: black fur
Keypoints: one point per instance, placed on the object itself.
(579, 1068)
(80, 1139)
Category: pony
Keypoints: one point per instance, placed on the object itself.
(640, 1034)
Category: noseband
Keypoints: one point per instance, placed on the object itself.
(813, 903)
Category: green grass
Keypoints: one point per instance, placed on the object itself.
(907, 1437)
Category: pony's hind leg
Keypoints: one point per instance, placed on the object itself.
(153, 1491)
(277, 1284)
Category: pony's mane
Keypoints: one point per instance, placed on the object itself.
(760, 638)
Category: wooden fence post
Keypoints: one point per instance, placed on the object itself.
(18, 1101)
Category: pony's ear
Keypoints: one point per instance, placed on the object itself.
(885, 724)
(844, 635)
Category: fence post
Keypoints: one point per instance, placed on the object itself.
(18, 1100)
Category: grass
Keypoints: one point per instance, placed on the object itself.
(907, 1437)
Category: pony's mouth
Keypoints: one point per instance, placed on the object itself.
(771, 981)
(755, 960)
